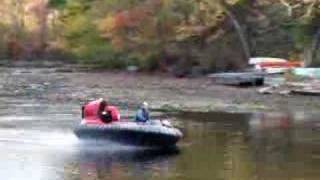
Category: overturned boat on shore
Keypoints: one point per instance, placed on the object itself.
(94, 125)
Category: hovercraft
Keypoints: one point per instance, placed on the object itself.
(102, 121)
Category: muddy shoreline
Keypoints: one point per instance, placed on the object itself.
(199, 94)
(163, 92)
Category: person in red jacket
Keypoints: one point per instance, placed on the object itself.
(108, 113)
(99, 111)
(112, 113)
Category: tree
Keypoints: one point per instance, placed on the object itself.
(58, 4)
(305, 17)
(13, 17)
(242, 37)
(142, 30)
(40, 9)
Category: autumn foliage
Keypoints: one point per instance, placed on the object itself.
(171, 34)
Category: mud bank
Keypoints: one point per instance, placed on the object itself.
(171, 94)
(163, 92)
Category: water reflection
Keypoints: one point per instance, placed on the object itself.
(284, 147)
(217, 147)
(257, 146)
(36, 141)
(124, 162)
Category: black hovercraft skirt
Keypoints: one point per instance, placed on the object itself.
(142, 134)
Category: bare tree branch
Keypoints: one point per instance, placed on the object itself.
(239, 30)
(289, 7)
(310, 9)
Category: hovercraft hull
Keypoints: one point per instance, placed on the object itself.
(142, 134)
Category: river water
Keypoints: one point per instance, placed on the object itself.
(37, 142)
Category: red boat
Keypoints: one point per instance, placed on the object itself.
(274, 65)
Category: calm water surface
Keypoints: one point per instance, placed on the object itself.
(37, 143)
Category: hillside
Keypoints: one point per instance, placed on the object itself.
(179, 36)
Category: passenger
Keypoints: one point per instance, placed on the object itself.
(114, 112)
(143, 113)
(108, 113)
(103, 112)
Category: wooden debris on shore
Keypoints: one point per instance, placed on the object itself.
(238, 79)
(310, 88)
(274, 90)
(306, 92)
